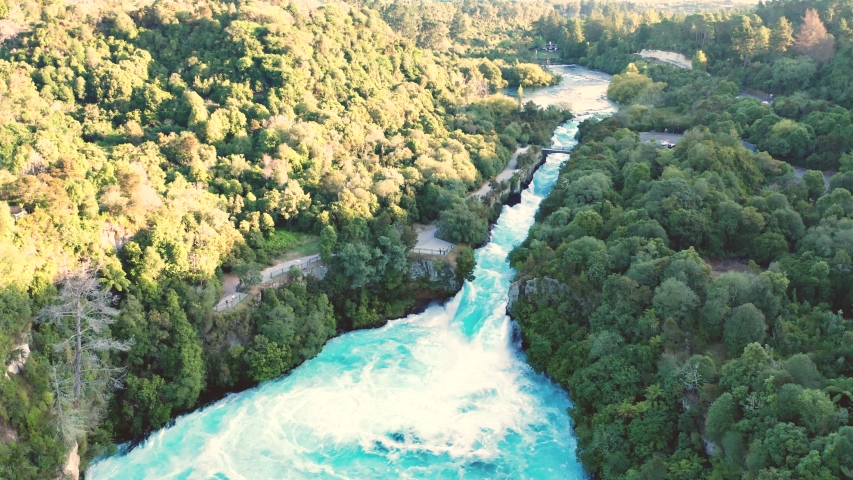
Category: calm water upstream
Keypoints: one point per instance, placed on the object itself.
(442, 394)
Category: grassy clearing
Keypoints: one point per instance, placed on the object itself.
(287, 245)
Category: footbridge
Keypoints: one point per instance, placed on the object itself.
(550, 150)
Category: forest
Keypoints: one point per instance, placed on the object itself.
(697, 302)
(147, 150)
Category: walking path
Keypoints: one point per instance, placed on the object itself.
(231, 297)
(505, 175)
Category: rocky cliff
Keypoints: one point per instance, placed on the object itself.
(540, 290)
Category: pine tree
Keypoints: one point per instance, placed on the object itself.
(744, 39)
(782, 36)
(813, 39)
(82, 315)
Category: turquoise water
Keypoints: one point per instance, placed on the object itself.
(442, 394)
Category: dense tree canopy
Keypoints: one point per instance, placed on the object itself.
(704, 295)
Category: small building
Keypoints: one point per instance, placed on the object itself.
(17, 212)
(550, 47)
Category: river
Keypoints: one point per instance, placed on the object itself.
(441, 394)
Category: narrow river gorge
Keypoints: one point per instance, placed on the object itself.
(442, 394)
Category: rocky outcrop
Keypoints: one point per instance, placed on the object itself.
(8, 434)
(114, 236)
(438, 274)
(540, 290)
(317, 271)
(545, 286)
(514, 291)
(19, 362)
(670, 58)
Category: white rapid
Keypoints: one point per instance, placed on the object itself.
(442, 394)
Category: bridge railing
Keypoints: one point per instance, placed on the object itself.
(432, 251)
(546, 151)
(303, 266)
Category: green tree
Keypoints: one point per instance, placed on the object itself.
(745, 326)
(251, 276)
(782, 446)
(804, 371)
(328, 241)
(818, 414)
(640, 173)
(633, 86)
(721, 416)
(461, 225)
(768, 247)
(460, 25)
(520, 98)
(782, 36)
(465, 264)
(673, 298)
(745, 38)
(792, 74)
(838, 453)
(572, 44)
(815, 184)
(841, 390)
(266, 359)
(356, 261)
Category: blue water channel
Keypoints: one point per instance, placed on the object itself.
(442, 394)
